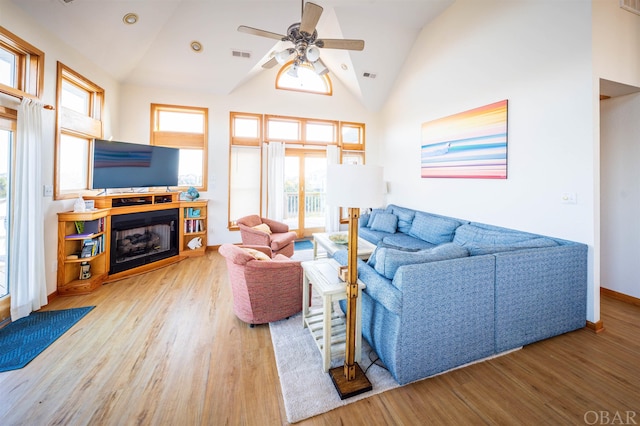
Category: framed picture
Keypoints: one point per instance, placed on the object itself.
(470, 144)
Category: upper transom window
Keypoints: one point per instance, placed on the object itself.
(303, 78)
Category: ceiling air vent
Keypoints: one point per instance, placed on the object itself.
(369, 75)
(632, 6)
(240, 54)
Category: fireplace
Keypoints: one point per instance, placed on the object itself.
(141, 238)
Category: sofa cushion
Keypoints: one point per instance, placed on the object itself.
(473, 234)
(479, 249)
(382, 244)
(377, 286)
(385, 222)
(433, 229)
(405, 217)
(373, 215)
(405, 242)
(389, 260)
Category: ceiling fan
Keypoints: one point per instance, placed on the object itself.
(306, 44)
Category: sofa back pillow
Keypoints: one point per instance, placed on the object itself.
(405, 217)
(433, 229)
(385, 222)
(389, 260)
(373, 215)
(479, 249)
(472, 234)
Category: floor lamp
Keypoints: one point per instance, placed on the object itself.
(352, 187)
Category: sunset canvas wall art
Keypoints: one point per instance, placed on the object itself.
(470, 144)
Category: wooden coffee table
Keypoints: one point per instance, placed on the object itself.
(365, 248)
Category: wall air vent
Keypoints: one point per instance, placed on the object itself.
(240, 54)
(632, 6)
(369, 75)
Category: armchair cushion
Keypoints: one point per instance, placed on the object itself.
(263, 227)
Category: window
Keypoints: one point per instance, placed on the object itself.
(305, 79)
(246, 171)
(21, 66)
(245, 159)
(184, 128)
(7, 132)
(80, 106)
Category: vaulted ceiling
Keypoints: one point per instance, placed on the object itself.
(156, 50)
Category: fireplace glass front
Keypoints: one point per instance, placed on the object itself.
(141, 238)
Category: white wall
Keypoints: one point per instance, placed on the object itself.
(14, 20)
(536, 54)
(256, 96)
(620, 188)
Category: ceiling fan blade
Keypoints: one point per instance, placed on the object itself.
(310, 17)
(338, 43)
(261, 33)
(270, 63)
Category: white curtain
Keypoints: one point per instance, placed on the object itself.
(27, 284)
(275, 181)
(332, 214)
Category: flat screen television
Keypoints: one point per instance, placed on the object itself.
(132, 165)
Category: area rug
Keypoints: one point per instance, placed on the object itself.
(24, 339)
(306, 389)
(303, 245)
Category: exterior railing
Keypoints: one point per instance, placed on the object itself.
(314, 204)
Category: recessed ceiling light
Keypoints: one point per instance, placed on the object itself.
(344, 66)
(130, 18)
(196, 46)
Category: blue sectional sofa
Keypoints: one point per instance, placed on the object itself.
(443, 292)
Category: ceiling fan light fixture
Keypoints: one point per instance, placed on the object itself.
(313, 54)
(320, 68)
(293, 70)
(283, 55)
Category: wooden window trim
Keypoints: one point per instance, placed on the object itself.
(73, 123)
(182, 140)
(31, 62)
(243, 141)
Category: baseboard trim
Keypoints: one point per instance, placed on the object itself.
(596, 327)
(619, 296)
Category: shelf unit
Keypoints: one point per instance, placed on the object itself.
(191, 225)
(193, 221)
(70, 244)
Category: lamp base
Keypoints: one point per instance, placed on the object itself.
(348, 388)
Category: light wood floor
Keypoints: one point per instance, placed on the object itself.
(164, 348)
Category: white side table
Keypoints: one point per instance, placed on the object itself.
(326, 326)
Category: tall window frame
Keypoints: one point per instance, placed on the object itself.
(75, 130)
(294, 132)
(193, 140)
(28, 66)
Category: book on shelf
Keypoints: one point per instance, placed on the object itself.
(86, 235)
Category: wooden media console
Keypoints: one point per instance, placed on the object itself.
(96, 246)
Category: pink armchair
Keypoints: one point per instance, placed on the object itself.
(263, 290)
(280, 240)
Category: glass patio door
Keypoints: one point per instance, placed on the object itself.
(6, 137)
(304, 185)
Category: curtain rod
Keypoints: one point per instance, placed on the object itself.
(21, 97)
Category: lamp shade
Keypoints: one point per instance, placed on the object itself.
(351, 185)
